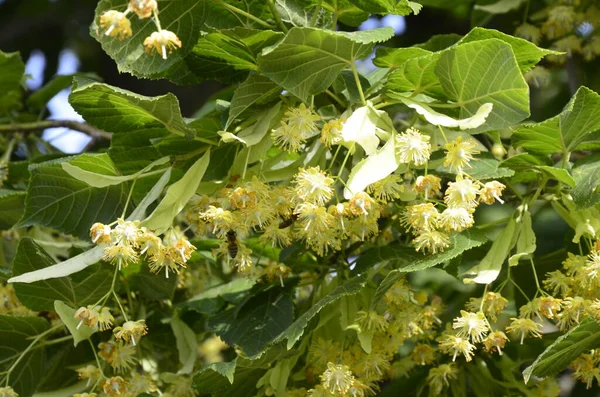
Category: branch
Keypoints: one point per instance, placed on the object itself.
(41, 125)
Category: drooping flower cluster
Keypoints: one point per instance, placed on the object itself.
(403, 315)
(431, 227)
(116, 24)
(297, 125)
(127, 242)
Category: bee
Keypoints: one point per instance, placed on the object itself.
(289, 221)
(232, 244)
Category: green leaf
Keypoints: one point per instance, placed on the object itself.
(372, 168)
(185, 18)
(84, 288)
(488, 269)
(526, 53)
(440, 42)
(178, 194)
(16, 334)
(500, 7)
(12, 68)
(67, 315)
(255, 90)
(417, 75)
(384, 7)
(586, 193)
(295, 330)
(254, 134)
(218, 379)
(12, 206)
(393, 58)
(580, 339)
(209, 301)
(55, 199)
(153, 287)
(187, 346)
(296, 12)
(558, 174)
(308, 60)
(412, 261)
(95, 179)
(116, 110)
(226, 369)
(255, 325)
(565, 132)
(486, 71)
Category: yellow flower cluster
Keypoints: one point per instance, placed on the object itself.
(403, 315)
(116, 24)
(431, 227)
(297, 125)
(127, 242)
(281, 214)
(9, 303)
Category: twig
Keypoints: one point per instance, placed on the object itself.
(41, 125)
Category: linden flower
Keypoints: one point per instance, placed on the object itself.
(331, 133)
(141, 383)
(115, 386)
(440, 377)
(549, 306)
(119, 356)
(130, 331)
(127, 232)
(371, 321)
(278, 237)
(87, 316)
(116, 24)
(313, 219)
(8, 392)
(100, 233)
(85, 395)
(459, 154)
(420, 217)
(429, 185)
(472, 325)
(529, 32)
(242, 198)
(524, 326)
(361, 204)
(121, 255)
(337, 379)
(313, 185)
(143, 8)
(162, 42)
(413, 147)
(586, 370)
(423, 354)
(495, 341)
(105, 319)
(455, 345)
(456, 219)
(302, 119)
(387, 189)
(493, 304)
(277, 271)
(222, 220)
(372, 366)
(323, 351)
(90, 372)
(461, 194)
(287, 138)
(491, 191)
(432, 241)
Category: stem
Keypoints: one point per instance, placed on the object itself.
(277, 16)
(358, 85)
(97, 359)
(343, 165)
(128, 198)
(31, 345)
(41, 125)
(334, 157)
(335, 98)
(315, 16)
(156, 20)
(537, 282)
(120, 305)
(493, 223)
(245, 14)
(519, 288)
(443, 134)
(511, 187)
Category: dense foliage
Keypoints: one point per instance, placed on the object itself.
(316, 229)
